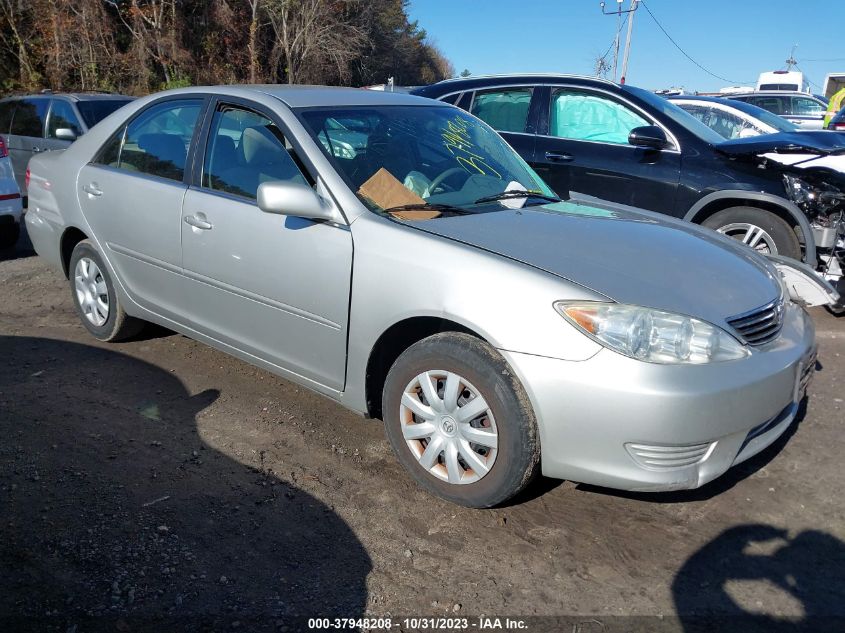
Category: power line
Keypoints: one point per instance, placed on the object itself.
(685, 54)
(618, 32)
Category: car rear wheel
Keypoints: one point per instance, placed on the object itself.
(460, 422)
(94, 297)
(759, 229)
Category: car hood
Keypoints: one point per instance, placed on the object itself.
(624, 254)
(817, 142)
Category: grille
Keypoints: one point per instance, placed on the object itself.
(668, 457)
(759, 326)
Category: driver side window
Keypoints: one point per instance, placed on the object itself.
(583, 116)
(245, 149)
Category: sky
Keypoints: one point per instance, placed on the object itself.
(735, 39)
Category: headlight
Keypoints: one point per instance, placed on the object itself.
(800, 192)
(652, 335)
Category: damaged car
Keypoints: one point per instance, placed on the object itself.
(394, 254)
(590, 137)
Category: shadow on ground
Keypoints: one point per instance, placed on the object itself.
(118, 516)
(750, 575)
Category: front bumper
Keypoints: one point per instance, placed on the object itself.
(617, 422)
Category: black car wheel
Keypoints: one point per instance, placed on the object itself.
(759, 229)
(94, 297)
(459, 420)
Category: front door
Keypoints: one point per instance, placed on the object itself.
(274, 286)
(131, 195)
(583, 147)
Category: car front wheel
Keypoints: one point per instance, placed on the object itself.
(759, 229)
(460, 422)
(94, 297)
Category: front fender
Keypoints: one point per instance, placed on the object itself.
(758, 196)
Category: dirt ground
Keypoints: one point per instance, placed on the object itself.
(161, 485)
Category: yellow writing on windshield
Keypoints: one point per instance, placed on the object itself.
(456, 139)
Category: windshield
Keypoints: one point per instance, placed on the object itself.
(394, 156)
(94, 111)
(678, 115)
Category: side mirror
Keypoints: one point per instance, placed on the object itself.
(649, 136)
(294, 199)
(65, 134)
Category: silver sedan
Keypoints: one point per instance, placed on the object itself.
(394, 254)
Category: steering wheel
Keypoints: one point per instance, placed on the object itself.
(443, 176)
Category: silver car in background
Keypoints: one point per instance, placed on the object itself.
(395, 254)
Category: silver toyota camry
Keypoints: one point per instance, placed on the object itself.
(396, 255)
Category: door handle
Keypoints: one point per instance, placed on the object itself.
(35, 150)
(92, 190)
(558, 158)
(198, 222)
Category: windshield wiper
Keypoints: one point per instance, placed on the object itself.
(428, 206)
(507, 195)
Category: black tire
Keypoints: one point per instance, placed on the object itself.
(785, 239)
(9, 234)
(118, 325)
(518, 452)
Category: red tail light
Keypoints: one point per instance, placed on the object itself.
(4, 151)
(839, 127)
(26, 179)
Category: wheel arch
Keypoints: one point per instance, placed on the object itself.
(720, 200)
(70, 238)
(390, 345)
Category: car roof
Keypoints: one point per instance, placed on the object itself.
(296, 96)
(458, 84)
(774, 93)
(72, 96)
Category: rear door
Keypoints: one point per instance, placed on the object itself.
(131, 195)
(26, 136)
(274, 286)
(582, 146)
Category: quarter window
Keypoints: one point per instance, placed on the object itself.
(583, 116)
(29, 116)
(503, 110)
(62, 116)
(245, 149)
(157, 142)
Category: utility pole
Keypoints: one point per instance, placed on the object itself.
(618, 13)
(628, 41)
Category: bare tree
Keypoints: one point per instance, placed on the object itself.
(252, 47)
(13, 15)
(315, 39)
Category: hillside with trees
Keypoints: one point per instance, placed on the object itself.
(139, 46)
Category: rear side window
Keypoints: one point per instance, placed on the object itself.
(94, 111)
(29, 116)
(7, 108)
(157, 141)
(772, 104)
(452, 99)
(62, 116)
(504, 110)
(583, 116)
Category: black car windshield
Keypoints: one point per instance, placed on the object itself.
(677, 114)
(417, 156)
(95, 110)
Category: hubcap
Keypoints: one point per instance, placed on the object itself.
(449, 427)
(91, 291)
(750, 235)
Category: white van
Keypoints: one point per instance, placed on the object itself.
(783, 80)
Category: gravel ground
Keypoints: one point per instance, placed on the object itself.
(161, 485)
